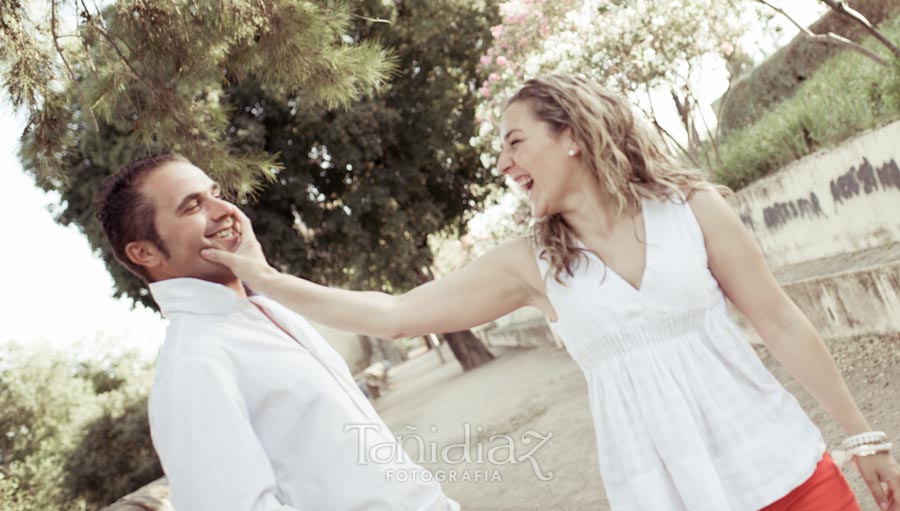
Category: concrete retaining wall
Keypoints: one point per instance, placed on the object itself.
(830, 203)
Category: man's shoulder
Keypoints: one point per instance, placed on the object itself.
(180, 366)
(177, 375)
(189, 344)
(202, 324)
(199, 336)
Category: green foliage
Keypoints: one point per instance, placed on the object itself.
(846, 95)
(26, 62)
(889, 93)
(57, 435)
(114, 457)
(156, 71)
(370, 184)
(783, 74)
(43, 408)
(108, 368)
(361, 188)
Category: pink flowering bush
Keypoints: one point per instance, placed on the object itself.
(631, 46)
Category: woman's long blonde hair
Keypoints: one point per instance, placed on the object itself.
(627, 158)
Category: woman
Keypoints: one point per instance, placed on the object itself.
(631, 258)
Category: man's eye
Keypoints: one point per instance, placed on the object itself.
(193, 206)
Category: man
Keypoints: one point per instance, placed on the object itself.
(251, 409)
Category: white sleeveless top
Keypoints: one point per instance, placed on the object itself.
(687, 417)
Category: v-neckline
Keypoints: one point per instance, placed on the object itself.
(643, 280)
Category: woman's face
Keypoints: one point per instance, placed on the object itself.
(538, 160)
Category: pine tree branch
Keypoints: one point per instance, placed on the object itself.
(85, 45)
(84, 6)
(830, 37)
(97, 8)
(372, 20)
(87, 104)
(357, 16)
(3, 26)
(122, 56)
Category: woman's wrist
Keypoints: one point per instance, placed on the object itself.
(262, 279)
(856, 424)
(863, 444)
(868, 437)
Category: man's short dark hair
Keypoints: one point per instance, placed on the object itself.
(125, 214)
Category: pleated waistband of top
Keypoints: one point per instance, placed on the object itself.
(647, 332)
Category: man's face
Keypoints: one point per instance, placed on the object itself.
(190, 215)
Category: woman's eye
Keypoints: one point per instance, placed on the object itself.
(514, 143)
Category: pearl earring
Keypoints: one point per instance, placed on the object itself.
(571, 152)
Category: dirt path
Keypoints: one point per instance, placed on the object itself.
(526, 395)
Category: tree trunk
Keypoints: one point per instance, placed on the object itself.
(468, 349)
(431, 344)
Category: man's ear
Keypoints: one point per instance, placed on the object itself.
(144, 253)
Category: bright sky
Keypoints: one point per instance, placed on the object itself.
(55, 290)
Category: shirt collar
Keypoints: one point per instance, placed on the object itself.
(194, 296)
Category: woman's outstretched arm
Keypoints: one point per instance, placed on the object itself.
(495, 284)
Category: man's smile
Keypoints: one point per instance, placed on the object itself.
(227, 237)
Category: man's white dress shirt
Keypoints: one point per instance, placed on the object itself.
(245, 417)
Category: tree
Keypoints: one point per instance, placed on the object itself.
(114, 456)
(73, 432)
(633, 47)
(359, 190)
(44, 408)
(843, 9)
(369, 185)
(156, 72)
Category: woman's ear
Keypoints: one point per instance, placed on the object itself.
(571, 144)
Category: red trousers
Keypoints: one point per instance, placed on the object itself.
(826, 490)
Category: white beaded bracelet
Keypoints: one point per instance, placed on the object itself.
(863, 438)
(841, 457)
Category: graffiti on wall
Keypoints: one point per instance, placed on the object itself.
(865, 179)
(781, 213)
(858, 181)
(747, 218)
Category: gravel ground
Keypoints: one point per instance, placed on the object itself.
(528, 412)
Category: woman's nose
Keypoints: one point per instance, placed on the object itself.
(504, 164)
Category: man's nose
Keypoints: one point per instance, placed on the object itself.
(221, 208)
